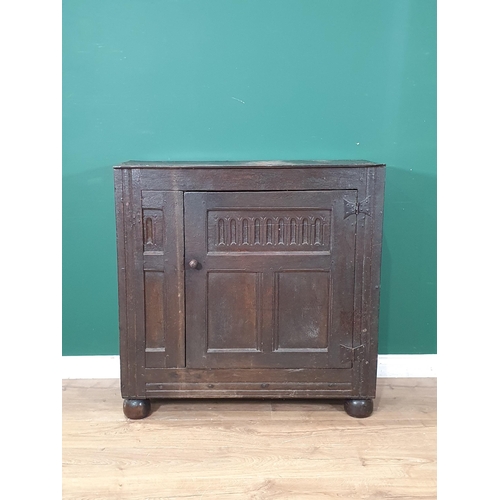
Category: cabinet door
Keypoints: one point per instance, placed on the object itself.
(269, 280)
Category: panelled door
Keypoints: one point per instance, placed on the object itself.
(269, 279)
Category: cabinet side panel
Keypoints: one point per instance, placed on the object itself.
(131, 285)
(369, 243)
(122, 282)
(136, 335)
(361, 262)
(376, 184)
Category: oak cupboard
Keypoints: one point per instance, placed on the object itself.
(249, 279)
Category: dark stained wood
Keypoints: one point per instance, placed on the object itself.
(359, 408)
(231, 327)
(276, 291)
(121, 219)
(273, 391)
(332, 376)
(287, 164)
(156, 319)
(302, 310)
(248, 179)
(131, 292)
(370, 339)
(252, 248)
(136, 408)
(162, 263)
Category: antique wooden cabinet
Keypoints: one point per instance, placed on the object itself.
(249, 279)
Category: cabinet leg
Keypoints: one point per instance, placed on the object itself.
(359, 408)
(136, 408)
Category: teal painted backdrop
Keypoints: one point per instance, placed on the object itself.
(245, 80)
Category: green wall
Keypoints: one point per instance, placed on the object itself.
(245, 80)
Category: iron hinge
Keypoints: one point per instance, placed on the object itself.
(357, 207)
(351, 353)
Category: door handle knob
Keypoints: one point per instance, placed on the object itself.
(193, 263)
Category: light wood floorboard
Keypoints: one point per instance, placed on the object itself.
(249, 449)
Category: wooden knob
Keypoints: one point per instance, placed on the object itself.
(193, 264)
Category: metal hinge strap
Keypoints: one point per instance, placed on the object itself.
(354, 352)
(357, 207)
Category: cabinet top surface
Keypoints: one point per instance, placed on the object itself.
(249, 164)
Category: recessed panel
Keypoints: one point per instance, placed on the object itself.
(270, 230)
(303, 304)
(155, 319)
(152, 230)
(232, 310)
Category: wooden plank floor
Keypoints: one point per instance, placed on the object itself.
(247, 449)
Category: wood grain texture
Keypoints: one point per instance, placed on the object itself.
(247, 449)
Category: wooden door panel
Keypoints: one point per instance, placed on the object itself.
(233, 311)
(267, 284)
(302, 310)
(155, 319)
(251, 230)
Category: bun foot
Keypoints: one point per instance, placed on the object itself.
(136, 408)
(359, 408)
